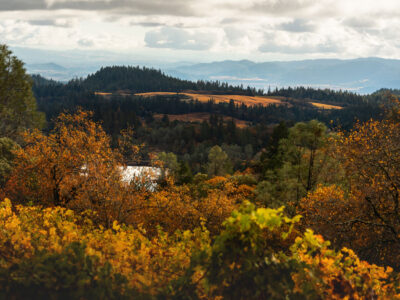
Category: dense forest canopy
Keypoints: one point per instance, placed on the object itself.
(191, 140)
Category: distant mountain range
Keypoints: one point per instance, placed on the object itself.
(58, 72)
(363, 75)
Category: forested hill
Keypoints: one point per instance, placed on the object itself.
(133, 80)
(140, 80)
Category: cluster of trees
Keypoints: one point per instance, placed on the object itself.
(70, 227)
(326, 95)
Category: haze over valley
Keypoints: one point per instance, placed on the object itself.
(364, 75)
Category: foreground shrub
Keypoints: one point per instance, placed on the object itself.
(259, 254)
(70, 274)
(147, 264)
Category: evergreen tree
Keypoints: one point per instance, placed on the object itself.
(17, 104)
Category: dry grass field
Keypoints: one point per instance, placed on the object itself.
(238, 99)
(325, 106)
(102, 94)
(200, 117)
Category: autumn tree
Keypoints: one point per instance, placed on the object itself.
(371, 158)
(129, 150)
(73, 166)
(327, 210)
(18, 109)
(366, 215)
(186, 207)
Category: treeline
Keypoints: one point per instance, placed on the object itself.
(324, 95)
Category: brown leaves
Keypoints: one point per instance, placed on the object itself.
(366, 217)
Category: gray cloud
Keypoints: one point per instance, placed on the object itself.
(50, 22)
(174, 38)
(148, 24)
(328, 47)
(22, 5)
(280, 6)
(360, 22)
(153, 7)
(230, 21)
(298, 25)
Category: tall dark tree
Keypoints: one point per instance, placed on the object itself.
(17, 105)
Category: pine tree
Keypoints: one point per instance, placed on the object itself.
(18, 109)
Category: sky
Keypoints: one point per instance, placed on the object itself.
(206, 30)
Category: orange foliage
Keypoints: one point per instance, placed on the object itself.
(367, 217)
(182, 207)
(73, 166)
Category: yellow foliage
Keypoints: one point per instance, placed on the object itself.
(340, 275)
(145, 262)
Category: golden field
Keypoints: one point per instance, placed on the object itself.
(238, 99)
(325, 106)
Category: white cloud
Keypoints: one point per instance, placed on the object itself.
(253, 29)
(176, 38)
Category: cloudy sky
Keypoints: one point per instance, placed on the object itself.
(205, 30)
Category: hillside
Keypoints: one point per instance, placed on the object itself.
(140, 80)
(122, 95)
